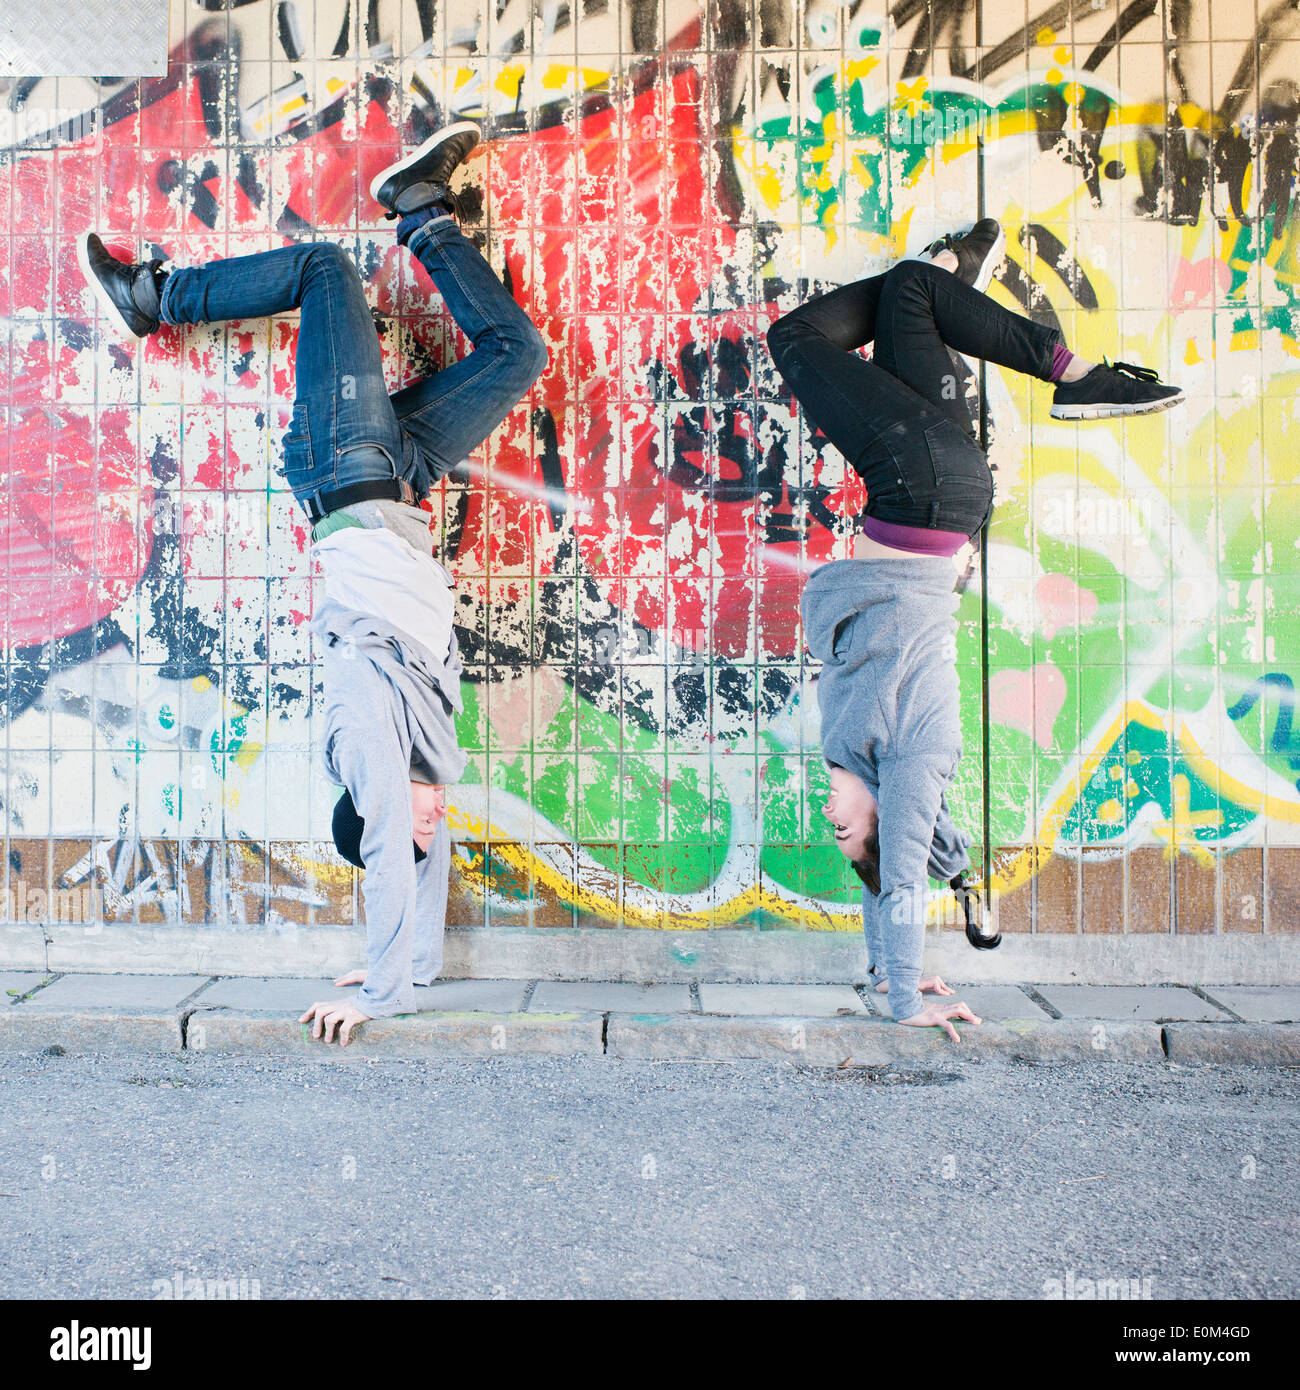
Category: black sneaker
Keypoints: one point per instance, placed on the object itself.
(973, 911)
(979, 252)
(1113, 388)
(421, 179)
(128, 291)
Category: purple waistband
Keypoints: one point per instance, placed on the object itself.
(920, 540)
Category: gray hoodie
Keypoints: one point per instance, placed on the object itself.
(390, 710)
(885, 632)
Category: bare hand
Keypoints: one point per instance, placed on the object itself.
(353, 977)
(930, 984)
(332, 1015)
(937, 1016)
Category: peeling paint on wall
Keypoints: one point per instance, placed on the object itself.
(658, 183)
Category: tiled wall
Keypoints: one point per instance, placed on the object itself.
(660, 180)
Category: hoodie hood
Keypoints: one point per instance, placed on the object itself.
(378, 676)
(885, 633)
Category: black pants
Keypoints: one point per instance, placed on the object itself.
(901, 419)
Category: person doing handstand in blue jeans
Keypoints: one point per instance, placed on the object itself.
(360, 460)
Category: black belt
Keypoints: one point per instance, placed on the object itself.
(389, 489)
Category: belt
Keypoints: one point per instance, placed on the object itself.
(389, 489)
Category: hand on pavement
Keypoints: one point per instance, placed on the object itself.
(937, 1016)
(333, 1015)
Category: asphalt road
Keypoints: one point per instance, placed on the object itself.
(587, 1177)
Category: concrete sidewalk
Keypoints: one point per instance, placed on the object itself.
(822, 1024)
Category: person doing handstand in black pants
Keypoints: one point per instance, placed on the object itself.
(883, 624)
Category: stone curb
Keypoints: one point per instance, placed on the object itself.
(876, 1041)
(421, 1035)
(87, 1030)
(1240, 1044)
(807, 1041)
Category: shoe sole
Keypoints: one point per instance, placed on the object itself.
(1110, 412)
(96, 284)
(438, 138)
(991, 262)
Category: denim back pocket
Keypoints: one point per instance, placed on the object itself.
(299, 461)
(954, 456)
(888, 467)
(963, 483)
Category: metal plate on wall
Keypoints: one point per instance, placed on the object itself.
(94, 38)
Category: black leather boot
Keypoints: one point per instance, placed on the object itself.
(130, 292)
(420, 180)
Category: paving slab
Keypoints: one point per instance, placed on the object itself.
(994, 1002)
(780, 1001)
(139, 993)
(1277, 1004)
(268, 994)
(602, 996)
(1153, 1003)
(15, 982)
(1234, 1044)
(862, 1041)
(473, 996)
(24, 1029)
(423, 1035)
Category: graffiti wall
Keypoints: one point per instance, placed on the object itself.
(660, 180)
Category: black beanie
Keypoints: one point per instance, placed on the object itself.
(348, 827)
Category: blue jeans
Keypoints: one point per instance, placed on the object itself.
(901, 419)
(346, 428)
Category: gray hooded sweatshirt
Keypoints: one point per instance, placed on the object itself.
(390, 710)
(885, 632)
